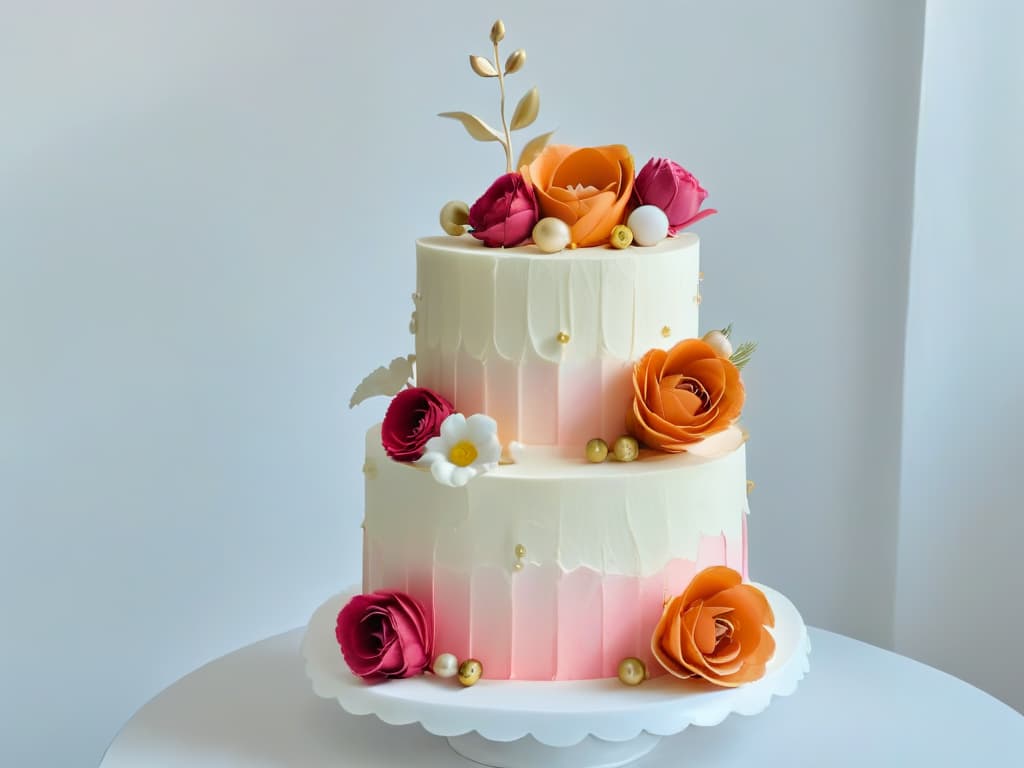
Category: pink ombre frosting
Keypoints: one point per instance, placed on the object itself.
(545, 624)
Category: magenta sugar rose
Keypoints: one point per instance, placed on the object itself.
(505, 214)
(384, 635)
(673, 189)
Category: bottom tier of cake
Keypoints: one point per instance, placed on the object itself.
(552, 570)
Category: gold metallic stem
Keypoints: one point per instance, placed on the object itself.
(504, 125)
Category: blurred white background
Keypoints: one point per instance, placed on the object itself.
(207, 215)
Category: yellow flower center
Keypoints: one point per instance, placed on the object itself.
(462, 454)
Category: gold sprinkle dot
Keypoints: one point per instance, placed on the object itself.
(750, 486)
(562, 337)
(666, 331)
(697, 299)
(700, 275)
(573, 246)
(520, 553)
(370, 469)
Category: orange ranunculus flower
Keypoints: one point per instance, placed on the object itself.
(683, 395)
(587, 188)
(716, 630)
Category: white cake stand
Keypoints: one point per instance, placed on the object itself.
(573, 724)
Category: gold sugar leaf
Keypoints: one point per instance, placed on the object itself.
(515, 61)
(474, 126)
(526, 110)
(482, 66)
(533, 148)
(498, 31)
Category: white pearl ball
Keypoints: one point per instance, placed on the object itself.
(649, 224)
(551, 235)
(446, 665)
(719, 342)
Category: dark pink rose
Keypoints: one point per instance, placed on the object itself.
(674, 189)
(414, 416)
(384, 635)
(505, 214)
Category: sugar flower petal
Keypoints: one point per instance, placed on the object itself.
(683, 396)
(414, 416)
(717, 629)
(384, 635)
(589, 188)
(718, 445)
(464, 449)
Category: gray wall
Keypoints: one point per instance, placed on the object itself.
(206, 222)
(958, 601)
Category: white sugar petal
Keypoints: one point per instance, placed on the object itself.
(462, 475)
(488, 452)
(442, 472)
(480, 428)
(452, 429)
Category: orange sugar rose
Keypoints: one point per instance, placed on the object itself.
(716, 630)
(683, 395)
(587, 188)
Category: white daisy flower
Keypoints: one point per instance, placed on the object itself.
(464, 449)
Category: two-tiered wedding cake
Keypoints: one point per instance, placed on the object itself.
(558, 490)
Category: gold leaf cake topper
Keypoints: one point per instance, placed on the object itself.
(525, 112)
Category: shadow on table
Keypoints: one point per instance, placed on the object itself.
(270, 719)
(858, 706)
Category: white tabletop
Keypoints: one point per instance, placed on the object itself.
(859, 706)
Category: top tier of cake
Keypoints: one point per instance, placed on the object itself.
(545, 343)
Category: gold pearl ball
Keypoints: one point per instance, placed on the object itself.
(626, 448)
(597, 450)
(621, 236)
(470, 671)
(632, 671)
(454, 217)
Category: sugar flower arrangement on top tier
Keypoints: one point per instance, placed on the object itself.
(563, 196)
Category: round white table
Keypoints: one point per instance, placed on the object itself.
(858, 706)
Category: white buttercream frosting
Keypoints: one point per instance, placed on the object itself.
(613, 518)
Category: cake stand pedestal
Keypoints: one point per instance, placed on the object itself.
(560, 724)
